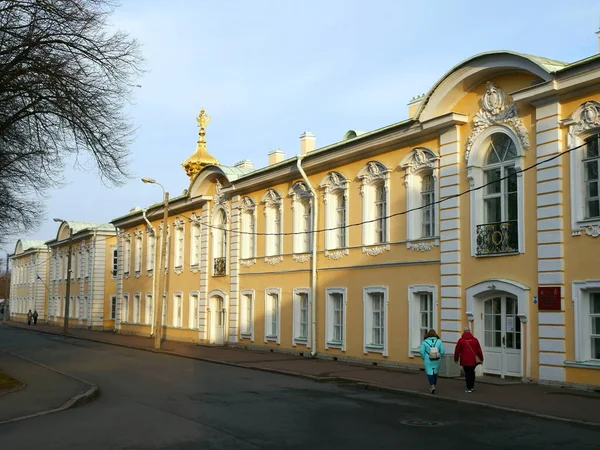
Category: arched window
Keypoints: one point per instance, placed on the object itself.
(375, 193)
(500, 198)
(248, 237)
(220, 243)
(274, 223)
(335, 198)
(302, 217)
(591, 169)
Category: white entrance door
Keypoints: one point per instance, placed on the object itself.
(217, 318)
(502, 337)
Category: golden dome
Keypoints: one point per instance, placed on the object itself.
(201, 158)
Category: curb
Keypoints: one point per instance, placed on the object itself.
(357, 382)
(81, 399)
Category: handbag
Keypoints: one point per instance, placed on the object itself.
(477, 358)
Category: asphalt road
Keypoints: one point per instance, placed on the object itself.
(151, 401)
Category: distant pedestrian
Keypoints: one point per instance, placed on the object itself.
(35, 316)
(468, 350)
(432, 351)
(29, 316)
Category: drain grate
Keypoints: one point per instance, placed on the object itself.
(421, 423)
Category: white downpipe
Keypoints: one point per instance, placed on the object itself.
(91, 284)
(153, 273)
(313, 268)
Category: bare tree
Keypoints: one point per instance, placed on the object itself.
(65, 79)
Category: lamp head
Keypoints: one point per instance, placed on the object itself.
(148, 180)
(56, 219)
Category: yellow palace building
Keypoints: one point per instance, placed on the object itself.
(481, 209)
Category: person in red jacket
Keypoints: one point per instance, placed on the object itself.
(469, 352)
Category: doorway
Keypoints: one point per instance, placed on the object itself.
(217, 319)
(502, 337)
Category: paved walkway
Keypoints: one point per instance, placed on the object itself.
(558, 403)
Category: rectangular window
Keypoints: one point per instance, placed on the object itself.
(380, 214)
(148, 309)
(178, 262)
(150, 251)
(421, 310)
(136, 307)
(115, 262)
(591, 168)
(113, 307)
(340, 220)
(595, 325)
(335, 318)
(500, 197)
(125, 308)
(195, 245)
(248, 235)
(80, 263)
(86, 263)
(194, 322)
(272, 315)
(425, 313)
(246, 313)
(273, 238)
(138, 254)
(127, 254)
(375, 317)
(427, 203)
(177, 310)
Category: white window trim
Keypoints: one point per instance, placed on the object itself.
(371, 175)
(191, 311)
(113, 311)
(148, 310)
(268, 292)
(272, 200)
(179, 249)
(125, 309)
(475, 164)
(368, 348)
(114, 262)
(581, 304)
(250, 293)
(418, 163)
(126, 255)
(414, 310)
(174, 304)
(136, 308)
(296, 318)
(150, 252)
(579, 130)
(248, 208)
(195, 227)
(227, 237)
(329, 343)
(299, 194)
(138, 252)
(332, 185)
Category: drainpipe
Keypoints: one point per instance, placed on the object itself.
(91, 283)
(153, 273)
(313, 268)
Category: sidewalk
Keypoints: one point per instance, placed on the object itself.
(556, 403)
(45, 390)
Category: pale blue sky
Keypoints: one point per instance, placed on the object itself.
(268, 70)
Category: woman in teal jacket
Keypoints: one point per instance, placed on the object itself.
(432, 366)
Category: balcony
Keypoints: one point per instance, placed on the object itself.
(498, 238)
(220, 267)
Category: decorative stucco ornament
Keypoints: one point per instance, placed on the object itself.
(201, 157)
(496, 110)
(586, 118)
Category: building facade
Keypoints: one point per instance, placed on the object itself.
(93, 249)
(29, 280)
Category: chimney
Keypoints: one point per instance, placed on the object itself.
(307, 142)
(276, 156)
(244, 164)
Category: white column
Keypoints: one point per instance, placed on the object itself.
(550, 239)
(450, 280)
(204, 270)
(234, 280)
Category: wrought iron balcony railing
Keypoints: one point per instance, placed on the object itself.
(220, 267)
(498, 238)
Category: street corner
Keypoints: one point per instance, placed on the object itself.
(36, 390)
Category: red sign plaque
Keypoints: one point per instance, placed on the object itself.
(549, 298)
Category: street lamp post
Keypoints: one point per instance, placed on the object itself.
(68, 288)
(158, 312)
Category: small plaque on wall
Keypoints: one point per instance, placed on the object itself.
(549, 298)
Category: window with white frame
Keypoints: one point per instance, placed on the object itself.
(247, 314)
(497, 209)
(80, 263)
(168, 257)
(301, 316)
(422, 314)
(375, 193)
(87, 265)
(76, 307)
(584, 139)
(302, 217)
(248, 237)
(148, 309)
(274, 223)
(421, 168)
(179, 243)
(177, 310)
(113, 307)
(335, 320)
(272, 305)
(137, 300)
(335, 197)
(195, 241)
(115, 262)
(193, 319)
(165, 309)
(586, 298)
(125, 308)
(127, 255)
(150, 251)
(220, 241)
(86, 307)
(138, 252)
(375, 319)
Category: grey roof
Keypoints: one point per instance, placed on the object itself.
(28, 244)
(550, 65)
(82, 226)
(233, 173)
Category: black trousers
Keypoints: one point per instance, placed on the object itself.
(470, 376)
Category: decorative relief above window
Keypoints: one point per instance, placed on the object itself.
(273, 260)
(220, 197)
(421, 246)
(496, 110)
(302, 258)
